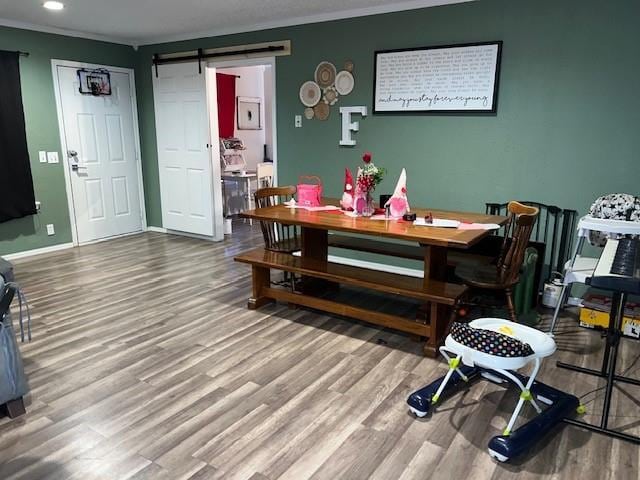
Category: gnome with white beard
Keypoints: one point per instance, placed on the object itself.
(347, 197)
(360, 197)
(398, 203)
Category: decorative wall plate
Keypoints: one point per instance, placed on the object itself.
(321, 111)
(310, 93)
(309, 113)
(325, 74)
(330, 95)
(344, 82)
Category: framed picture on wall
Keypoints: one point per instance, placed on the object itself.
(248, 109)
(459, 79)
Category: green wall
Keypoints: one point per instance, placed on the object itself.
(42, 128)
(566, 129)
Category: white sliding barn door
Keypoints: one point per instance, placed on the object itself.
(182, 130)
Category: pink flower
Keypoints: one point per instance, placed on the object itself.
(366, 158)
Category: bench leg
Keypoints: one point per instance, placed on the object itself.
(15, 408)
(429, 350)
(260, 280)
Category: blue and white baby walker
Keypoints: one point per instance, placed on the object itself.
(493, 349)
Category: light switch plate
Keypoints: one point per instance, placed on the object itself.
(298, 121)
(50, 229)
(42, 155)
(52, 157)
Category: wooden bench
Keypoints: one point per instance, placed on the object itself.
(437, 295)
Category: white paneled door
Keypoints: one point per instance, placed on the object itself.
(182, 130)
(100, 137)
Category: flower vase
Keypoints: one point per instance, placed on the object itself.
(368, 209)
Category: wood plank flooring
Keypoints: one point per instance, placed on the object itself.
(146, 364)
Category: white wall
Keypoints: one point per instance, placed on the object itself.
(250, 84)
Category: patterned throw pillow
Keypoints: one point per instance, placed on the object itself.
(490, 342)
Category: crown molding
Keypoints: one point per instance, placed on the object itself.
(304, 20)
(5, 22)
(290, 22)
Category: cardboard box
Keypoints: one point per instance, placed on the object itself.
(595, 314)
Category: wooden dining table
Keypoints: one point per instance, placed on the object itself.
(315, 226)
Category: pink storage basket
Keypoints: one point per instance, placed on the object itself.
(309, 194)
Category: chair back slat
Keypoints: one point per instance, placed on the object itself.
(522, 219)
(277, 236)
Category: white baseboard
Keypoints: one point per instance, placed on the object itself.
(381, 267)
(183, 234)
(106, 239)
(193, 235)
(156, 229)
(37, 251)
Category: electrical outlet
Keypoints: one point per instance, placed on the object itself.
(298, 121)
(50, 229)
(52, 157)
(42, 155)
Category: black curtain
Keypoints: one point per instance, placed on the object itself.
(16, 185)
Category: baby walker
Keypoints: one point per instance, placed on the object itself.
(492, 348)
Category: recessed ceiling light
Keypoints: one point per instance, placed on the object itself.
(52, 5)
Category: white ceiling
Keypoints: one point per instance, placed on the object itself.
(139, 22)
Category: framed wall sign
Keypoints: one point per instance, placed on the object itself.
(248, 109)
(443, 79)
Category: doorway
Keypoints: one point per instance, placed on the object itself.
(100, 152)
(246, 132)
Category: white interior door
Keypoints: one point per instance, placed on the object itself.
(100, 137)
(182, 130)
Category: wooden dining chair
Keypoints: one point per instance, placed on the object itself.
(264, 174)
(278, 237)
(504, 273)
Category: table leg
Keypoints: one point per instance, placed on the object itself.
(315, 246)
(435, 263)
(440, 316)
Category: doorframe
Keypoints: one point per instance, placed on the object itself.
(55, 63)
(254, 62)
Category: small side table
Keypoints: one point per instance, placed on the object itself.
(239, 178)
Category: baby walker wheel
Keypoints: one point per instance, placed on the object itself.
(496, 456)
(417, 413)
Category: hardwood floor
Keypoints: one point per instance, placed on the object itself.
(146, 364)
